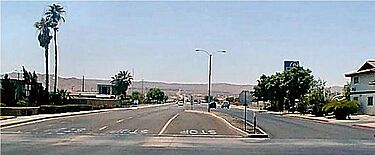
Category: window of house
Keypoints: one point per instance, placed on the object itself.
(356, 79)
(370, 101)
(355, 98)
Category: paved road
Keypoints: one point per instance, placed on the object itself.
(137, 132)
(193, 123)
(282, 127)
(142, 121)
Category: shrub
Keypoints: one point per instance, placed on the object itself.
(22, 103)
(341, 109)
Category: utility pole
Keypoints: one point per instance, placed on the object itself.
(83, 84)
(133, 79)
(142, 87)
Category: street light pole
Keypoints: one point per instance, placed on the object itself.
(209, 82)
(209, 73)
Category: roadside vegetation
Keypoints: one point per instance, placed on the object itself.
(296, 90)
(121, 82)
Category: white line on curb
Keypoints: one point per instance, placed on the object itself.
(102, 128)
(119, 121)
(166, 124)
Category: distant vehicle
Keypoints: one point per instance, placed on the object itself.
(180, 103)
(225, 104)
(212, 105)
(309, 111)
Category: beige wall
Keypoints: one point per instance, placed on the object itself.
(363, 85)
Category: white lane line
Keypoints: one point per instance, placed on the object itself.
(119, 121)
(130, 117)
(166, 124)
(102, 128)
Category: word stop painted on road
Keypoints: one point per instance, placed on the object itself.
(198, 132)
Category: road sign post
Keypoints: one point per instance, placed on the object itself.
(255, 122)
(245, 104)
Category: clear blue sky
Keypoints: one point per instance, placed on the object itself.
(158, 39)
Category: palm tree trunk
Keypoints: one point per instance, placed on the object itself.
(56, 77)
(47, 76)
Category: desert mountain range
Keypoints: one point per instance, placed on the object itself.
(73, 84)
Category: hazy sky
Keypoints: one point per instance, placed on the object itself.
(158, 39)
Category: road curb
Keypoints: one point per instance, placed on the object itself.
(363, 126)
(307, 118)
(82, 113)
(11, 117)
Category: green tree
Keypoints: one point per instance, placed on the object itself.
(8, 91)
(318, 96)
(137, 96)
(121, 82)
(346, 91)
(297, 81)
(276, 91)
(44, 38)
(260, 90)
(230, 99)
(271, 88)
(155, 94)
(36, 94)
(60, 97)
(55, 15)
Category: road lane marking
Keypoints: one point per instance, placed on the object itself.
(119, 121)
(130, 117)
(198, 132)
(166, 124)
(102, 128)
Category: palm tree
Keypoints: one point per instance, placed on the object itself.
(44, 39)
(121, 82)
(55, 14)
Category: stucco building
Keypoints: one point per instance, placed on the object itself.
(363, 87)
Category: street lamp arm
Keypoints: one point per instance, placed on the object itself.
(202, 50)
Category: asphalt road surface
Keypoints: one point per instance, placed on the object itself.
(171, 130)
(283, 127)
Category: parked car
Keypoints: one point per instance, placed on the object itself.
(212, 105)
(225, 104)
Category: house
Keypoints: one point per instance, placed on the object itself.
(105, 88)
(363, 87)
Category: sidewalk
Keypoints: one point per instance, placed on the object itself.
(249, 108)
(25, 119)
